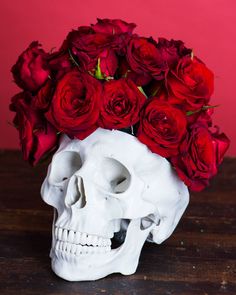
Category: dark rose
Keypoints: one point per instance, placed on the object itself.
(87, 47)
(113, 26)
(162, 127)
(199, 156)
(121, 104)
(171, 51)
(31, 70)
(119, 30)
(145, 58)
(108, 63)
(60, 63)
(37, 136)
(74, 108)
(44, 96)
(190, 84)
(124, 70)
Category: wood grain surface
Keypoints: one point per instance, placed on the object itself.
(199, 258)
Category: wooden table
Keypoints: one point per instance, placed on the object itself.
(199, 258)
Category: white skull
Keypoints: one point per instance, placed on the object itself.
(108, 183)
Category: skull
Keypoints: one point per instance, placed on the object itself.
(108, 185)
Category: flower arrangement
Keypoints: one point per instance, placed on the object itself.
(106, 76)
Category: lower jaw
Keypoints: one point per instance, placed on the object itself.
(93, 266)
(84, 267)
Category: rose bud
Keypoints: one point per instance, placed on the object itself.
(162, 127)
(190, 84)
(31, 69)
(121, 104)
(108, 63)
(37, 136)
(74, 108)
(199, 156)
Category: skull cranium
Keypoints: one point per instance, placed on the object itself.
(105, 184)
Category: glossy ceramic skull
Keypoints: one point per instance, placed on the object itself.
(108, 184)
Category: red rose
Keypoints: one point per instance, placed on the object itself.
(60, 63)
(190, 84)
(74, 107)
(221, 144)
(44, 96)
(124, 70)
(87, 47)
(162, 127)
(171, 51)
(199, 156)
(145, 58)
(120, 32)
(121, 104)
(113, 26)
(108, 63)
(31, 70)
(37, 136)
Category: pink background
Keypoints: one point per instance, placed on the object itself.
(207, 26)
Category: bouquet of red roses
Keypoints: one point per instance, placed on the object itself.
(106, 76)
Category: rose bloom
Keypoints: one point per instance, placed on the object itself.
(124, 70)
(42, 99)
(87, 46)
(113, 26)
(37, 136)
(171, 51)
(162, 127)
(74, 108)
(59, 63)
(190, 84)
(119, 30)
(31, 69)
(145, 58)
(199, 156)
(121, 104)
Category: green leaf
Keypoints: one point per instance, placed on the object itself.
(204, 108)
(189, 113)
(142, 91)
(98, 73)
(210, 107)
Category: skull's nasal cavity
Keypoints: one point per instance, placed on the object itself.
(75, 192)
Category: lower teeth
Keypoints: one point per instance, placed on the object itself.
(80, 249)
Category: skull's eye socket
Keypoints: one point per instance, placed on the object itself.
(117, 175)
(64, 165)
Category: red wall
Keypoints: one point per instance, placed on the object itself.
(207, 26)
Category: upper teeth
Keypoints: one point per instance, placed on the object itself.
(80, 238)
